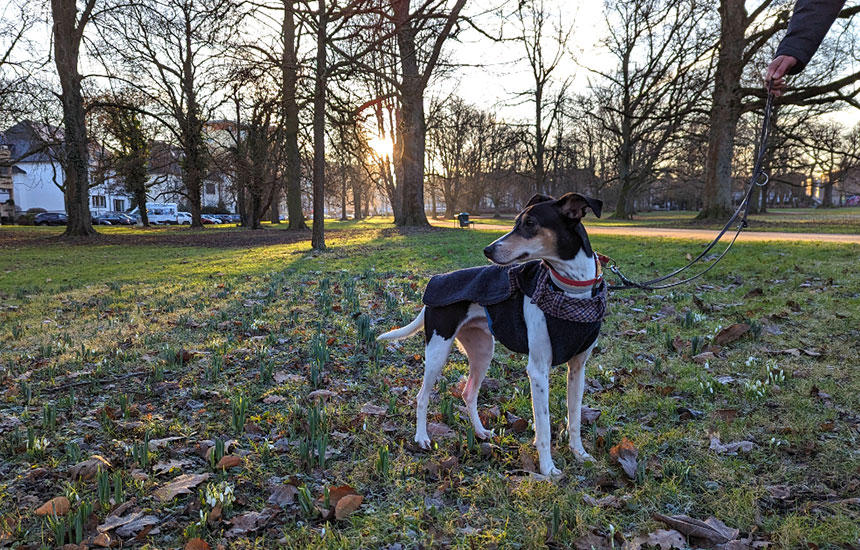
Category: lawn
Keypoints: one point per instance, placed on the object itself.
(230, 386)
(792, 220)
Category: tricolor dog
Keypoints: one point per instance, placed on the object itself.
(543, 296)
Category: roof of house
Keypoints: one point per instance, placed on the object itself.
(33, 141)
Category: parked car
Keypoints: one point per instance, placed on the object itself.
(158, 213)
(209, 218)
(50, 218)
(183, 218)
(113, 218)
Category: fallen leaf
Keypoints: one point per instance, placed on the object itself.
(457, 389)
(665, 539)
(754, 292)
(271, 399)
(169, 466)
(731, 333)
(129, 525)
(608, 501)
(438, 430)
(197, 544)
(376, 410)
(625, 453)
(347, 505)
(58, 506)
(102, 540)
(283, 495)
(589, 415)
(592, 541)
(89, 468)
(247, 523)
(337, 493)
(726, 415)
(184, 356)
(811, 353)
(515, 423)
(704, 357)
(181, 485)
(730, 448)
(155, 444)
(712, 529)
(526, 460)
(228, 461)
(321, 394)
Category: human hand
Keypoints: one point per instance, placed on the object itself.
(775, 73)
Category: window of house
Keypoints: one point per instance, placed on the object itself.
(119, 205)
(99, 201)
(210, 188)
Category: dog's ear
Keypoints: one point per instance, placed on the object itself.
(573, 205)
(536, 199)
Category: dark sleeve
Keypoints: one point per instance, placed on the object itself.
(808, 25)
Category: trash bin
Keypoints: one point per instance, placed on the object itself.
(463, 218)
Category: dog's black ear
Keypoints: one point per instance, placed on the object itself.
(573, 205)
(536, 199)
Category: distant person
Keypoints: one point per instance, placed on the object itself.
(808, 25)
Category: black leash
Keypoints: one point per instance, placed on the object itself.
(759, 178)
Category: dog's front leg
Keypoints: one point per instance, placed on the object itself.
(575, 389)
(540, 359)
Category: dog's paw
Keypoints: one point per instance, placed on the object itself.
(550, 471)
(422, 441)
(581, 455)
(484, 433)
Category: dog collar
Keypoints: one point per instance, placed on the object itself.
(561, 281)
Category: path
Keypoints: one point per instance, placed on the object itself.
(699, 234)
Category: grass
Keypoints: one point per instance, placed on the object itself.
(264, 325)
(792, 220)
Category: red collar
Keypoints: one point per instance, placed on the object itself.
(573, 282)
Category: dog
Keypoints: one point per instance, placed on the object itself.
(545, 263)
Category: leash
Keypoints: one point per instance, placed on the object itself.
(759, 179)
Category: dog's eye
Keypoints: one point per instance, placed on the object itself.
(529, 222)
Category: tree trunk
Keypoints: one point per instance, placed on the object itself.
(67, 41)
(540, 175)
(290, 113)
(275, 208)
(140, 198)
(411, 124)
(725, 112)
(318, 234)
(343, 215)
(356, 200)
(827, 199)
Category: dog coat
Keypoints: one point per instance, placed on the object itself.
(572, 323)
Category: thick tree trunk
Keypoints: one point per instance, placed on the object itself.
(827, 199)
(275, 207)
(411, 124)
(343, 215)
(67, 41)
(140, 199)
(290, 114)
(356, 200)
(318, 231)
(725, 112)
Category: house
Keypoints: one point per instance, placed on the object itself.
(7, 190)
(37, 174)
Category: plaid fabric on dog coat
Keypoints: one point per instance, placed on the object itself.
(573, 324)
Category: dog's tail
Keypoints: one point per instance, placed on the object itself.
(404, 332)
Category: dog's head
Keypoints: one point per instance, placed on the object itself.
(547, 228)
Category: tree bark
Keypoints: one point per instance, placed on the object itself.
(290, 114)
(275, 208)
(725, 112)
(140, 198)
(318, 231)
(411, 124)
(68, 33)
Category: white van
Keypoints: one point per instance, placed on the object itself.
(159, 212)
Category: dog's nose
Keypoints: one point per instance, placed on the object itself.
(488, 252)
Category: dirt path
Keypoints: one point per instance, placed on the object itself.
(699, 234)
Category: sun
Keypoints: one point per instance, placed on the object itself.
(382, 147)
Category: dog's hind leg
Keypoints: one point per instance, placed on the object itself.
(575, 389)
(478, 344)
(435, 354)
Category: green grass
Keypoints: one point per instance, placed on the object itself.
(88, 313)
(792, 220)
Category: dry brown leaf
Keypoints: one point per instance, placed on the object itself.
(712, 529)
(89, 468)
(731, 333)
(102, 540)
(438, 430)
(56, 506)
(181, 485)
(337, 493)
(515, 423)
(229, 461)
(197, 544)
(376, 410)
(347, 505)
(129, 525)
(271, 399)
(155, 444)
(457, 389)
(321, 394)
(625, 453)
(704, 357)
(726, 415)
(248, 522)
(589, 415)
(665, 539)
(283, 495)
(730, 448)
